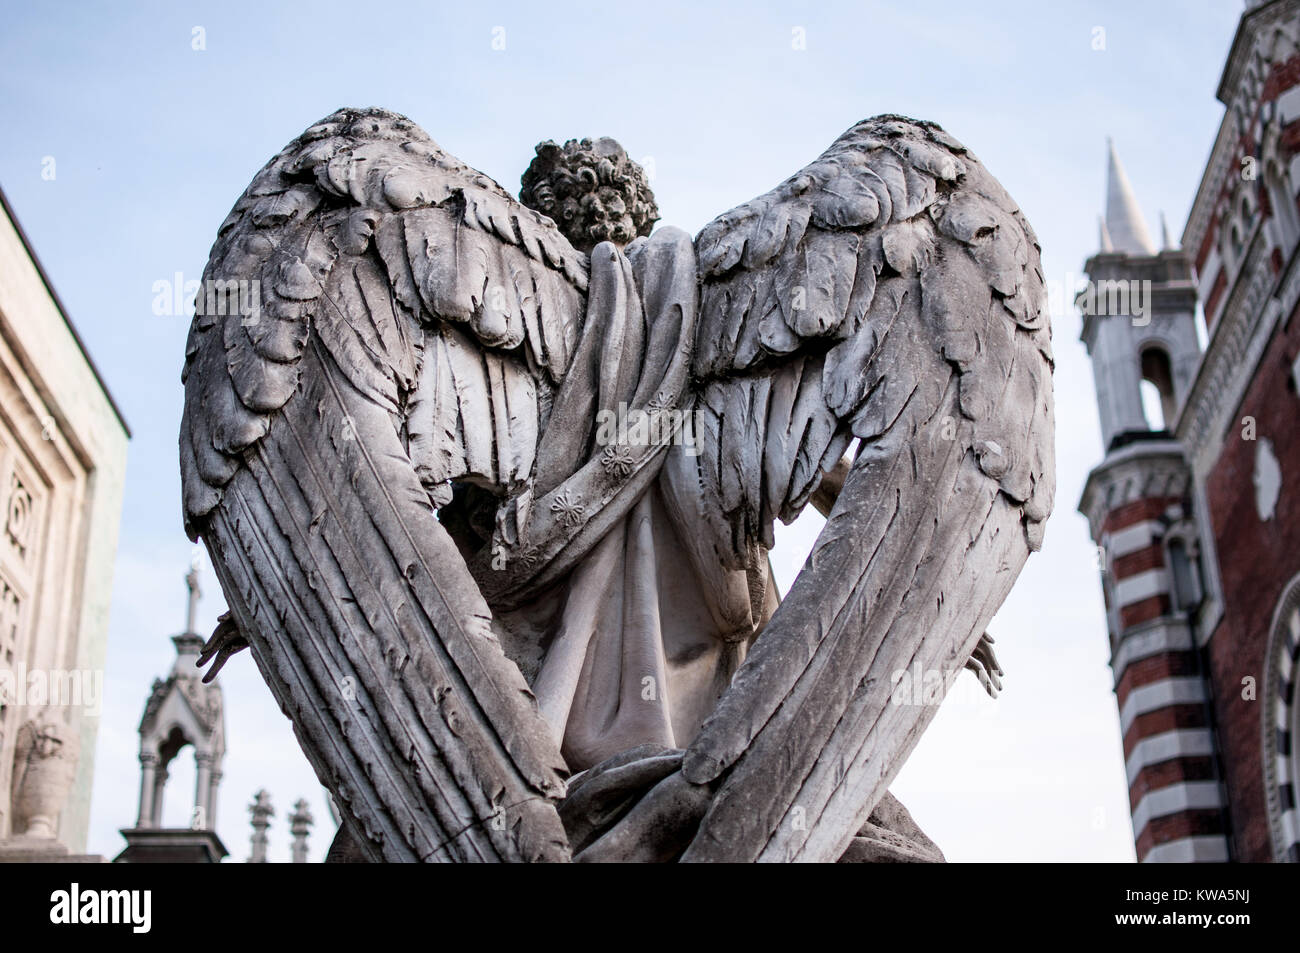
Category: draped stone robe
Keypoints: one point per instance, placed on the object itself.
(614, 604)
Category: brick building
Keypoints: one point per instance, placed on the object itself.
(1195, 508)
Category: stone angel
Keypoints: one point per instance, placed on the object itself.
(490, 486)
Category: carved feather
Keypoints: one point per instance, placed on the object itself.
(891, 291)
(401, 305)
(453, 245)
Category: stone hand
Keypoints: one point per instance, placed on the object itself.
(635, 807)
(985, 666)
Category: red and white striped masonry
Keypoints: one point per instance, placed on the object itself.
(1174, 795)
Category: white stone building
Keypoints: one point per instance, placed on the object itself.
(62, 464)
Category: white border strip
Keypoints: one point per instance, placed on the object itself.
(1183, 796)
(1131, 538)
(1171, 691)
(1202, 849)
(1150, 638)
(1179, 743)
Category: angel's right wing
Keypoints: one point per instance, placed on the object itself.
(377, 322)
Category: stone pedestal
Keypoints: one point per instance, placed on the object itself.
(41, 850)
(171, 846)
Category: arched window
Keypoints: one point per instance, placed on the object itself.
(1157, 388)
(175, 778)
(1152, 409)
(1185, 572)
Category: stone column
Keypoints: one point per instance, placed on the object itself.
(159, 785)
(202, 788)
(148, 765)
(213, 784)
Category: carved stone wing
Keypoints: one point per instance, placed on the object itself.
(892, 292)
(378, 319)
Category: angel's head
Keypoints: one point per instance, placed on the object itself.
(592, 190)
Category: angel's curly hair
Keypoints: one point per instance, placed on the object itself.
(592, 190)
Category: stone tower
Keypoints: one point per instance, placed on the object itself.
(1139, 318)
(182, 711)
(1139, 327)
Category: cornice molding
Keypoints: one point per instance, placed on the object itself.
(1137, 472)
(1240, 336)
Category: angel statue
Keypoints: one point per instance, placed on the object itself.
(490, 486)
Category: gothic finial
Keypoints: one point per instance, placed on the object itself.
(300, 822)
(261, 812)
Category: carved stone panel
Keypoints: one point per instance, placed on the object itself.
(19, 515)
(23, 501)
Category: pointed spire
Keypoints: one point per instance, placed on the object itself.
(1103, 236)
(189, 644)
(1165, 243)
(1128, 233)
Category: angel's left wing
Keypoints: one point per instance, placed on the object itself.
(892, 292)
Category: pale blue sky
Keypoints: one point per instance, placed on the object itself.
(153, 141)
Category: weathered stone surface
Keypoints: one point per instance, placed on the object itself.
(890, 836)
(41, 850)
(171, 845)
(63, 447)
(491, 493)
(45, 761)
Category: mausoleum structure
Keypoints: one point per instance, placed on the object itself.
(182, 711)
